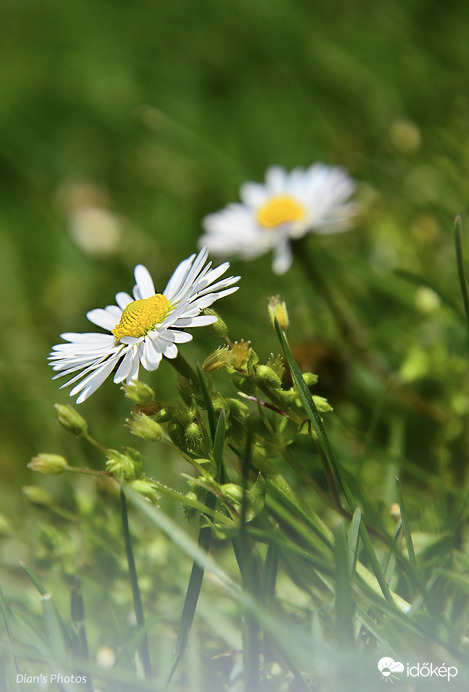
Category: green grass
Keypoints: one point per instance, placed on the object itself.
(318, 557)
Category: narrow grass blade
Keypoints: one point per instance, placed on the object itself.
(40, 587)
(197, 572)
(352, 541)
(406, 530)
(344, 606)
(313, 415)
(460, 264)
(137, 600)
(58, 642)
(212, 421)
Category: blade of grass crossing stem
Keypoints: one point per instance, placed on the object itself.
(197, 572)
(212, 421)
(352, 541)
(42, 590)
(406, 529)
(313, 415)
(57, 641)
(137, 600)
(344, 605)
(390, 563)
(460, 265)
(243, 549)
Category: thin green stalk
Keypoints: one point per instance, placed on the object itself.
(406, 529)
(138, 608)
(458, 231)
(313, 414)
(198, 571)
(183, 368)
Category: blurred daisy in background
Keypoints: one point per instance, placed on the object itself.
(143, 329)
(286, 207)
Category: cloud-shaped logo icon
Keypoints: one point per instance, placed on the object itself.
(388, 668)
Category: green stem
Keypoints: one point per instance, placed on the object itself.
(181, 365)
(460, 264)
(144, 652)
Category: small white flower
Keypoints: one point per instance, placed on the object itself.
(287, 206)
(142, 329)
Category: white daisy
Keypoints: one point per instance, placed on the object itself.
(287, 206)
(143, 329)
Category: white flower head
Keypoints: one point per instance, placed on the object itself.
(142, 329)
(287, 206)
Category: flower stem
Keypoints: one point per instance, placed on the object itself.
(183, 368)
(143, 648)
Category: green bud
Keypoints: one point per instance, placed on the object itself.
(217, 359)
(139, 392)
(322, 404)
(49, 464)
(233, 492)
(144, 427)
(145, 487)
(124, 466)
(268, 377)
(219, 327)
(278, 309)
(193, 435)
(240, 355)
(176, 433)
(37, 495)
(310, 378)
(237, 408)
(70, 419)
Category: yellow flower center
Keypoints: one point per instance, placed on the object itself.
(141, 316)
(278, 210)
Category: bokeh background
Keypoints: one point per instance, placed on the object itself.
(123, 124)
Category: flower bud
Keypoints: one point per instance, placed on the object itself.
(139, 392)
(237, 408)
(217, 359)
(144, 427)
(268, 377)
(49, 464)
(37, 495)
(144, 487)
(193, 435)
(124, 466)
(310, 378)
(70, 419)
(240, 354)
(219, 327)
(278, 309)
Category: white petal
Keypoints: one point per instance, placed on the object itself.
(91, 383)
(107, 319)
(151, 354)
(178, 337)
(178, 277)
(282, 258)
(123, 299)
(144, 281)
(94, 381)
(125, 366)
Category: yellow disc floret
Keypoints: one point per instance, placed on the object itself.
(278, 210)
(141, 316)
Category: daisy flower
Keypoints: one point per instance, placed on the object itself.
(287, 206)
(142, 329)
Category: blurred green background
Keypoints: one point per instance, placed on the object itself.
(123, 124)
